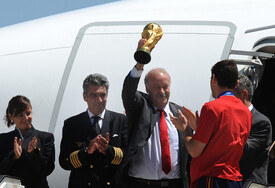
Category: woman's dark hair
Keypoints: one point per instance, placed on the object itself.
(16, 106)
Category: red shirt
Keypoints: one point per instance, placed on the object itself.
(224, 126)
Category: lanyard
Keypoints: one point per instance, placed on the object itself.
(230, 93)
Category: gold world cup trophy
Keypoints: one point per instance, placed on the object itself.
(153, 33)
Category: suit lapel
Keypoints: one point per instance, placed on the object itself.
(88, 125)
(253, 111)
(30, 133)
(183, 150)
(16, 133)
(153, 117)
(174, 110)
(106, 124)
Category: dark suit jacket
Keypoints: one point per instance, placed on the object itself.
(141, 121)
(95, 170)
(34, 167)
(254, 162)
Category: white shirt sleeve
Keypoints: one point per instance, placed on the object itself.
(135, 73)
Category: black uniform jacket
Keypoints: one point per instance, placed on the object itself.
(141, 121)
(95, 170)
(254, 162)
(34, 167)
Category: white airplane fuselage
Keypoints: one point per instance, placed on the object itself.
(47, 59)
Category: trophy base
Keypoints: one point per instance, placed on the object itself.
(142, 57)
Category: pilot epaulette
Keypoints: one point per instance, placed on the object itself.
(118, 156)
(74, 159)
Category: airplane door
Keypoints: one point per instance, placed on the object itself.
(187, 50)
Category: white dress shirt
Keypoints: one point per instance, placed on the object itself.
(146, 164)
(100, 121)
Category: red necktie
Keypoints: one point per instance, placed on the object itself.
(164, 141)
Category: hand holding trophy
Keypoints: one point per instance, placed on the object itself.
(153, 33)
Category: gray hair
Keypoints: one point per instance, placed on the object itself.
(244, 84)
(96, 80)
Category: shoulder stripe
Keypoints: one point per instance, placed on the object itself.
(118, 156)
(74, 159)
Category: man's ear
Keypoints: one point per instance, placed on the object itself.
(84, 97)
(245, 94)
(237, 84)
(213, 79)
(146, 88)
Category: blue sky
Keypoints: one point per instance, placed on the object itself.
(16, 11)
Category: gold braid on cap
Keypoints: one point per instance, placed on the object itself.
(118, 156)
(74, 159)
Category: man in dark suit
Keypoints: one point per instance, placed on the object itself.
(254, 162)
(145, 165)
(93, 141)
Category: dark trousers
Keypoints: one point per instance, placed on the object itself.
(143, 183)
(214, 182)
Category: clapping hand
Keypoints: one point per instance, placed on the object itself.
(189, 118)
(99, 143)
(192, 118)
(17, 145)
(103, 143)
(32, 145)
(179, 122)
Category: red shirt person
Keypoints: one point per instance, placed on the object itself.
(221, 132)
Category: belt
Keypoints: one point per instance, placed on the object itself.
(161, 183)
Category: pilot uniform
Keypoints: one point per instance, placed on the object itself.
(34, 167)
(93, 170)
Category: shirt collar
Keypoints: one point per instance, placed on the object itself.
(92, 115)
(21, 135)
(250, 107)
(166, 109)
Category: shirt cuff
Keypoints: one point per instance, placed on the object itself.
(135, 73)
